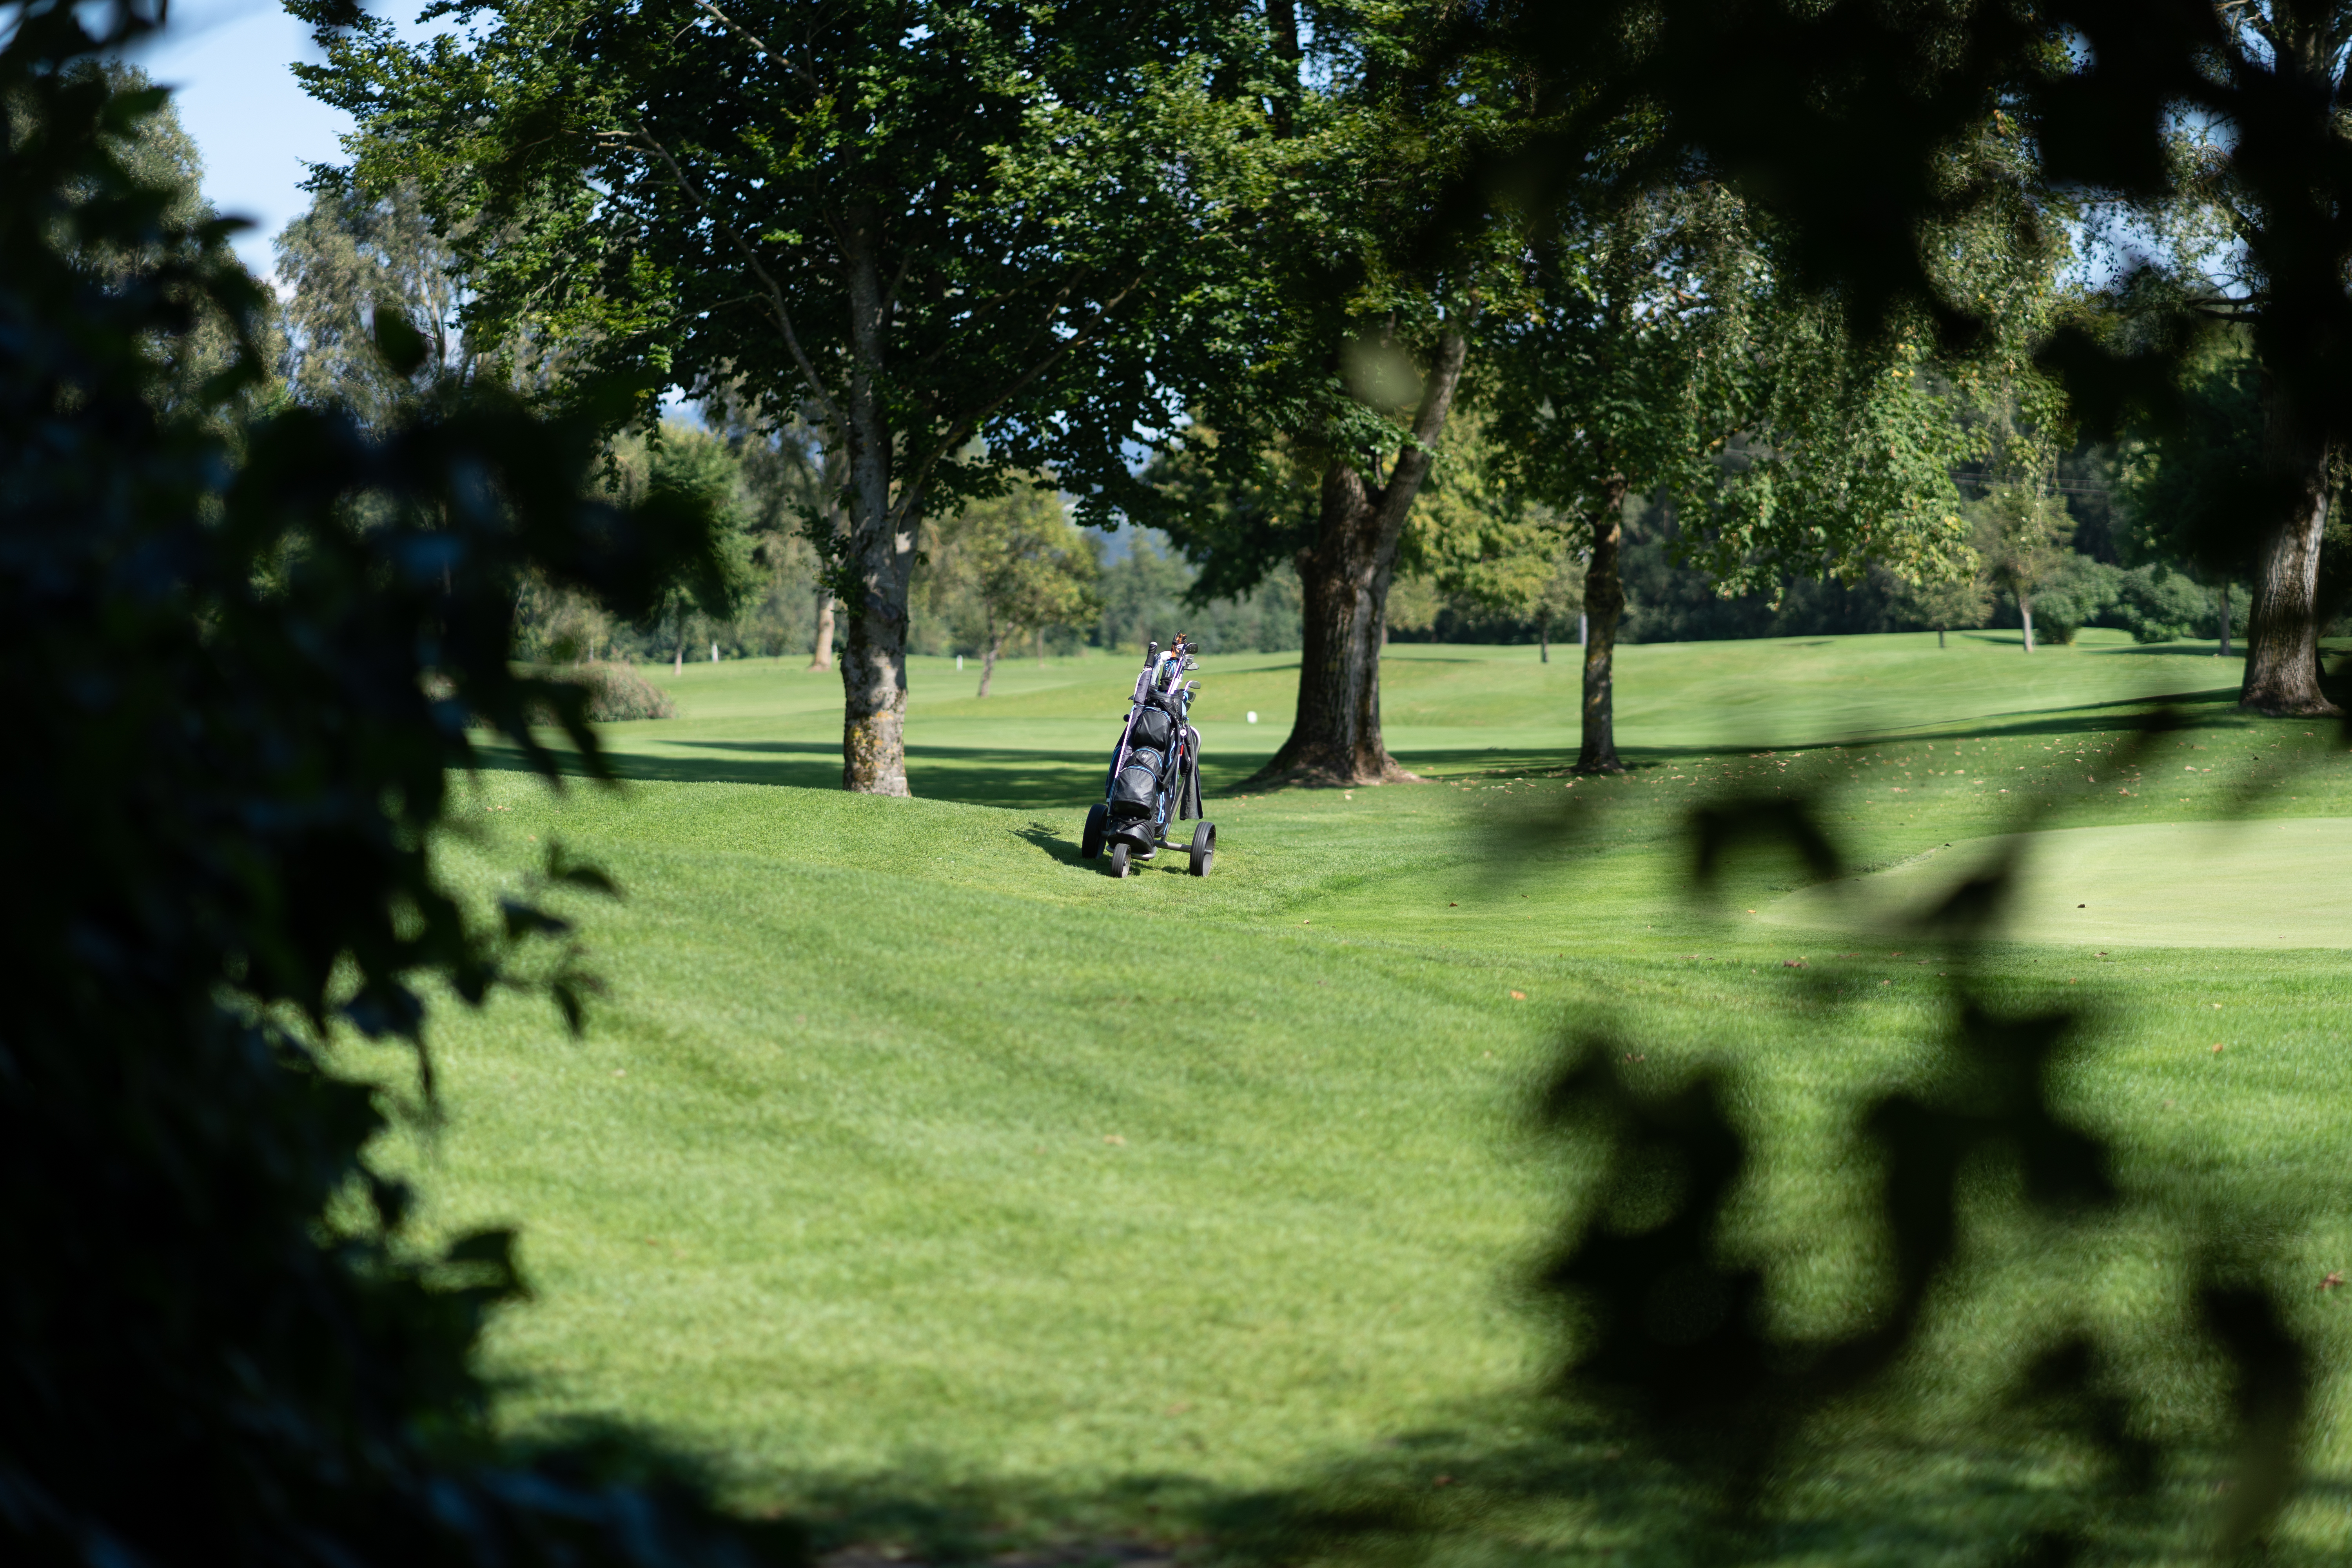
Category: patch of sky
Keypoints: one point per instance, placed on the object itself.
(230, 64)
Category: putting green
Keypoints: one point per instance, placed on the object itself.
(2257, 883)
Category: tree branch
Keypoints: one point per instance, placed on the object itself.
(757, 42)
(775, 294)
(1428, 425)
(963, 429)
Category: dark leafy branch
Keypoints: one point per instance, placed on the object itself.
(1670, 1328)
(246, 658)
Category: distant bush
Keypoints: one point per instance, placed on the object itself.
(2079, 593)
(616, 692)
(2156, 603)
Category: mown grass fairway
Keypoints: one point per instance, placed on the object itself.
(921, 1178)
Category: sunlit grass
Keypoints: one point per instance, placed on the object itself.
(923, 1178)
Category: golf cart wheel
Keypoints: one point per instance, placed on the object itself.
(1090, 843)
(1118, 858)
(1204, 849)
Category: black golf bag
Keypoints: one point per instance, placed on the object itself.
(1155, 770)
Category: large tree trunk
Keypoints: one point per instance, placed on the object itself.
(2224, 650)
(2282, 632)
(880, 549)
(1343, 577)
(2282, 674)
(1604, 604)
(2025, 615)
(821, 657)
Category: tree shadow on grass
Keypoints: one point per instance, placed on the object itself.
(2163, 650)
(970, 775)
(1516, 1484)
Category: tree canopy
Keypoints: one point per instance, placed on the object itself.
(970, 237)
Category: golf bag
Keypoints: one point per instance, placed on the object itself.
(1155, 770)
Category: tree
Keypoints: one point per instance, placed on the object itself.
(1356, 342)
(1962, 599)
(2020, 536)
(1665, 353)
(348, 257)
(155, 151)
(963, 232)
(246, 655)
(1484, 551)
(2224, 220)
(1026, 568)
(2189, 479)
(1857, 123)
(694, 470)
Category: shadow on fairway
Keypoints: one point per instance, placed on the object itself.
(1525, 1485)
(2164, 650)
(1027, 780)
(971, 775)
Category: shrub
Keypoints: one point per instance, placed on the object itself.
(2074, 595)
(617, 692)
(2156, 603)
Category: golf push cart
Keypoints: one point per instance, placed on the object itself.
(1155, 774)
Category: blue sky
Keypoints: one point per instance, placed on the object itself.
(229, 63)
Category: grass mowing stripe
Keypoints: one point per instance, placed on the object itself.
(848, 1223)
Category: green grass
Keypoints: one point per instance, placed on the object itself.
(924, 1181)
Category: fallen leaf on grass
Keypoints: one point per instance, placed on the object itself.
(2334, 1278)
(1794, 963)
(2217, 1048)
(1114, 1137)
(1519, 996)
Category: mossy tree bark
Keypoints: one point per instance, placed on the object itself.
(1344, 576)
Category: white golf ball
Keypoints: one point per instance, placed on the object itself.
(1253, 717)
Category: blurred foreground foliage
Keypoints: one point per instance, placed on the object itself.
(247, 653)
(1974, 1178)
